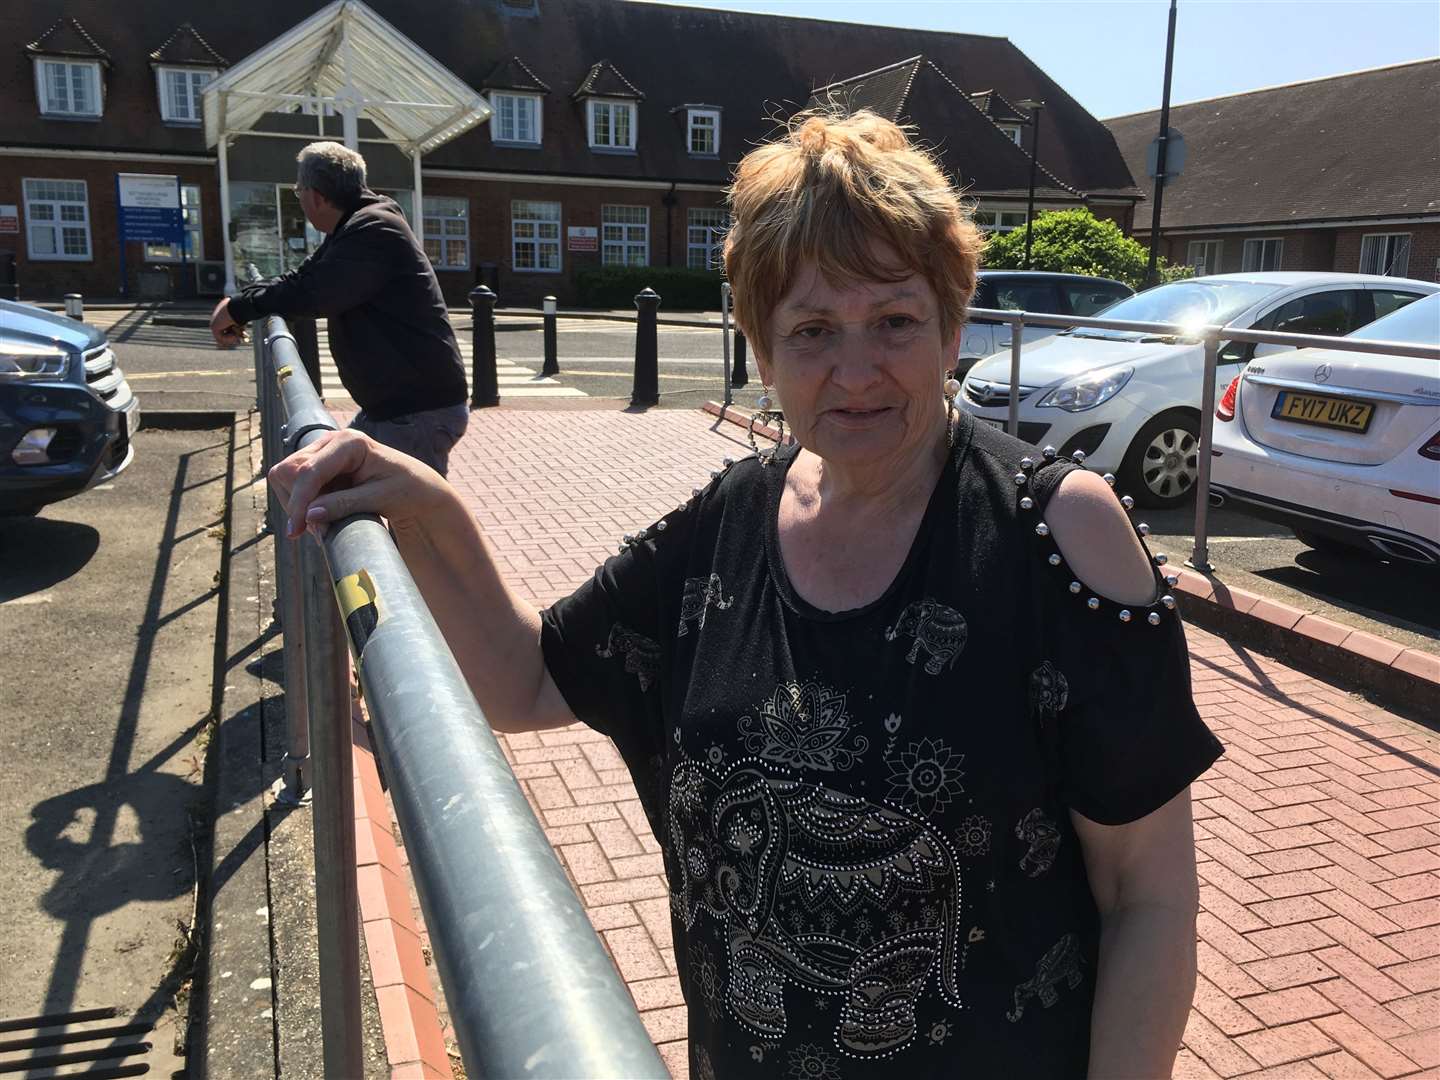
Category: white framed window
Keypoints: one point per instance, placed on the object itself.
(535, 236)
(180, 90)
(704, 237)
(517, 118)
(611, 124)
(1385, 253)
(1204, 256)
(702, 128)
(625, 235)
(1011, 132)
(68, 87)
(57, 219)
(999, 219)
(1263, 254)
(194, 235)
(447, 232)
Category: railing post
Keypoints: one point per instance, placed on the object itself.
(75, 306)
(307, 344)
(725, 339)
(9, 282)
(1200, 555)
(646, 387)
(1017, 329)
(337, 912)
(552, 361)
(484, 377)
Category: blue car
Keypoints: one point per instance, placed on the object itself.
(67, 415)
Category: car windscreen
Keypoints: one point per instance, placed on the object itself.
(1190, 303)
(1417, 323)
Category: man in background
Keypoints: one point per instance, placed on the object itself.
(389, 334)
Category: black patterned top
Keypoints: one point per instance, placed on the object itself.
(863, 814)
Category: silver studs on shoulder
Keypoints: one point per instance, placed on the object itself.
(1168, 602)
(1020, 479)
(1172, 580)
(628, 539)
(660, 526)
(1143, 529)
(1048, 453)
(727, 462)
(1054, 559)
(1127, 502)
(1075, 587)
(1042, 529)
(1027, 463)
(694, 493)
(1153, 618)
(1093, 603)
(1109, 478)
(1027, 503)
(1125, 615)
(1078, 457)
(1161, 559)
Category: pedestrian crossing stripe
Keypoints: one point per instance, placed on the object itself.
(515, 380)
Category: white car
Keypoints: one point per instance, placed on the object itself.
(1341, 447)
(1131, 401)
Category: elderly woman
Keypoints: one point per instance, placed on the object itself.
(906, 702)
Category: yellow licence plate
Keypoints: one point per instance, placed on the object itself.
(1323, 411)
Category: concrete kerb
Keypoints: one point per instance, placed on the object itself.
(1406, 680)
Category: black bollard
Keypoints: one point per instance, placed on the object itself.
(646, 390)
(552, 362)
(738, 375)
(9, 283)
(484, 381)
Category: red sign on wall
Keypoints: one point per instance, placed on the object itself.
(9, 220)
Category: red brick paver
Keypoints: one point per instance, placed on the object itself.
(1318, 833)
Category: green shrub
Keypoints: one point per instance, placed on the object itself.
(680, 289)
(1077, 242)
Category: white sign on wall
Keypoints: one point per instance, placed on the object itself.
(143, 191)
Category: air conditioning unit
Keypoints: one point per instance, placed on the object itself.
(209, 278)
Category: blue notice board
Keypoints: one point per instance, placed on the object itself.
(150, 213)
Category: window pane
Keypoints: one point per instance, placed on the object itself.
(622, 125)
(432, 246)
(525, 230)
(42, 240)
(75, 242)
(71, 212)
(455, 253)
(549, 231)
(57, 89)
(550, 257)
(42, 212)
(524, 257)
(80, 89)
(1386, 301)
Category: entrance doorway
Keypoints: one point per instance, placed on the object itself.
(270, 229)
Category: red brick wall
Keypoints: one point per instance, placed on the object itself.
(1424, 248)
(1317, 249)
(99, 276)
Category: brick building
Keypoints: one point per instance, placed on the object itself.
(599, 132)
(1340, 173)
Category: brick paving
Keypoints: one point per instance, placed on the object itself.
(1317, 835)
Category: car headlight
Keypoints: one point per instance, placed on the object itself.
(1086, 391)
(21, 361)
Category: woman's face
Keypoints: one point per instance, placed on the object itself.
(858, 368)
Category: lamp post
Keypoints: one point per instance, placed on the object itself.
(1034, 105)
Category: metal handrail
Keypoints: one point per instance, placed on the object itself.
(1209, 335)
(530, 988)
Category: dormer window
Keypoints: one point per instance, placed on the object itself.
(1011, 132)
(611, 124)
(180, 91)
(702, 127)
(68, 87)
(517, 118)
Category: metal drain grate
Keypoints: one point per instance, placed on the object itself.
(74, 1044)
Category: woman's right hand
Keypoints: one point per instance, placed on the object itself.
(344, 472)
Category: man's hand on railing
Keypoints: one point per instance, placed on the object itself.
(224, 329)
(344, 472)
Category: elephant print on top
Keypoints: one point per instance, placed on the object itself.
(642, 655)
(700, 593)
(1049, 691)
(939, 630)
(1043, 836)
(1060, 964)
(820, 890)
(804, 726)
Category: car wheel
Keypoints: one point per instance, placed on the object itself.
(1162, 465)
(1331, 546)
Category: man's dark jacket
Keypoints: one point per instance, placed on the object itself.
(389, 334)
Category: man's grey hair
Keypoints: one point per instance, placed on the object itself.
(332, 170)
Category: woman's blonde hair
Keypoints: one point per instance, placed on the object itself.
(828, 190)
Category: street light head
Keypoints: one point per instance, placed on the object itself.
(1032, 104)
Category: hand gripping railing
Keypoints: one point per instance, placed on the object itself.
(1210, 335)
(530, 988)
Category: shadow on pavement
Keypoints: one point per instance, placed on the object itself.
(38, 553)
(1399, 591)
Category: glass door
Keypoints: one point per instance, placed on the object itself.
(298, 238)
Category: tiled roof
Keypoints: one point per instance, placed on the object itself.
(1358, 145)
(186, 46)
(512, 73)
(882, 92)
(604, 80)
(67, 38)
(997, 108)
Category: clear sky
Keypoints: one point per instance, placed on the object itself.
(1110, 55)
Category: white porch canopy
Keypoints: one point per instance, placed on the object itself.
(349, 58)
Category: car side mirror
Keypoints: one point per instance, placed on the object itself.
(1266, 348)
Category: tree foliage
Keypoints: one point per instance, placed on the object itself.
(1077, 242)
